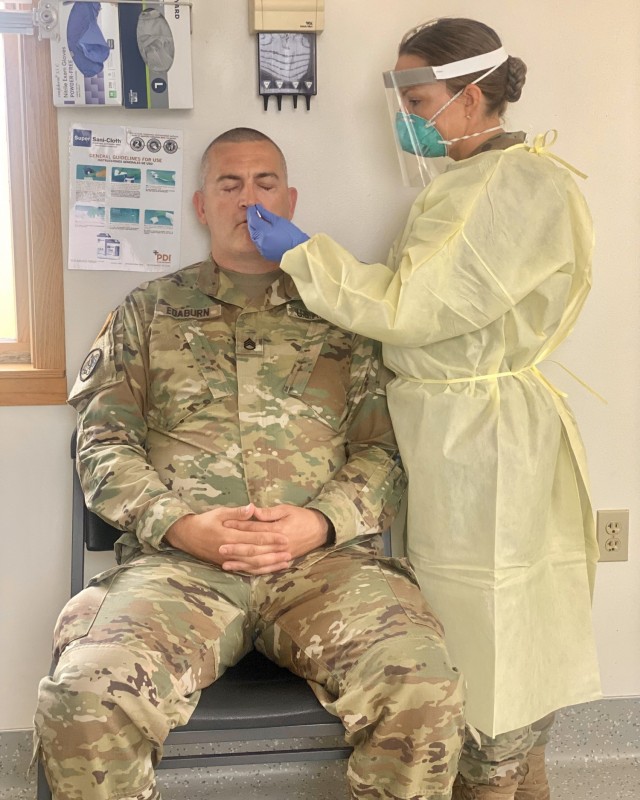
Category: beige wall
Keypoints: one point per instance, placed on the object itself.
(583, 57)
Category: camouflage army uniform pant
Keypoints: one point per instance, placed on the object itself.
(501, 760)
(136, 648)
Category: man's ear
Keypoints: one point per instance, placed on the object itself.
(198, 204)
(293, 199)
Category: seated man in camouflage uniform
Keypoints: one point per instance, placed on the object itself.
(243, 446)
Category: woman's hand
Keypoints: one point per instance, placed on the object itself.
(271, 234)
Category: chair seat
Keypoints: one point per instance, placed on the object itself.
(255, 693)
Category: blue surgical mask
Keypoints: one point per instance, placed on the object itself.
(419, 136)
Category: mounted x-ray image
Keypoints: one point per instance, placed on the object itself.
(287, 66)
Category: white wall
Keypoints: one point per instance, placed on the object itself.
(583, 57)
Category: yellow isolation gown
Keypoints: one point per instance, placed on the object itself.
(487, 278)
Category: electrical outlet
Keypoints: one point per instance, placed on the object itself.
(613, 534)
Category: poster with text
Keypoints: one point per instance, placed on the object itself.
(125, 198)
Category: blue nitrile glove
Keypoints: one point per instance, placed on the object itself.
(89, 49)
(271, 234)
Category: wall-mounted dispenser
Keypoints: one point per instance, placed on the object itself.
(286, 47)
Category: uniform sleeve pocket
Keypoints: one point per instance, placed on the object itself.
(100, 367)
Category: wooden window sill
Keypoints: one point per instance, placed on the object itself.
(22, 385)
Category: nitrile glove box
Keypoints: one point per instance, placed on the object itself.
(85, 56)
(155, 45)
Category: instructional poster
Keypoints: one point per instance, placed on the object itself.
(125, 198)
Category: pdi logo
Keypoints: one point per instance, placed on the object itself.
(81, 138)
(162, 258)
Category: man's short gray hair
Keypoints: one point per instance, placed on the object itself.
(236, 136)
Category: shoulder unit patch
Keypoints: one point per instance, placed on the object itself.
(90, 364)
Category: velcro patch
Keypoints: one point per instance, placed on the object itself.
(302, 313)
(90, 364)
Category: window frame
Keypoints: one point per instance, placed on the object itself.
(32, 371)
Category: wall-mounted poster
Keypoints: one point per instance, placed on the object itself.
(125, 198)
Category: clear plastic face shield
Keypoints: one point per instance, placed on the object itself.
(421, 149)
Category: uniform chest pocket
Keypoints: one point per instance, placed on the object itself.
(320, 375)
(192, 367)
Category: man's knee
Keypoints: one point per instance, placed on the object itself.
(107, 689)
(97, 726)
(413, 674)
(400, 682)
(404, 711)
(407, 696)
(77, 617)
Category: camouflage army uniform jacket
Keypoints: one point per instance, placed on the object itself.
(191, 399)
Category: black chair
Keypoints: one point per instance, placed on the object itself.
(253, 701)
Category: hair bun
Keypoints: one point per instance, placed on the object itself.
(516, 76)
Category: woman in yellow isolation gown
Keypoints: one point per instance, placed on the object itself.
(484, 282)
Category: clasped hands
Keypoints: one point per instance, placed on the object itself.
(250, 539)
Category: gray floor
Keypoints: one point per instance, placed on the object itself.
(594, 755)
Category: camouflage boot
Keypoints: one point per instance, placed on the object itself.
(534, 785)
(462, 790)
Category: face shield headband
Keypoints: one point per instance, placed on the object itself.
(401, 79)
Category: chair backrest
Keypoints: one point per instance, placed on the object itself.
(88, 530)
